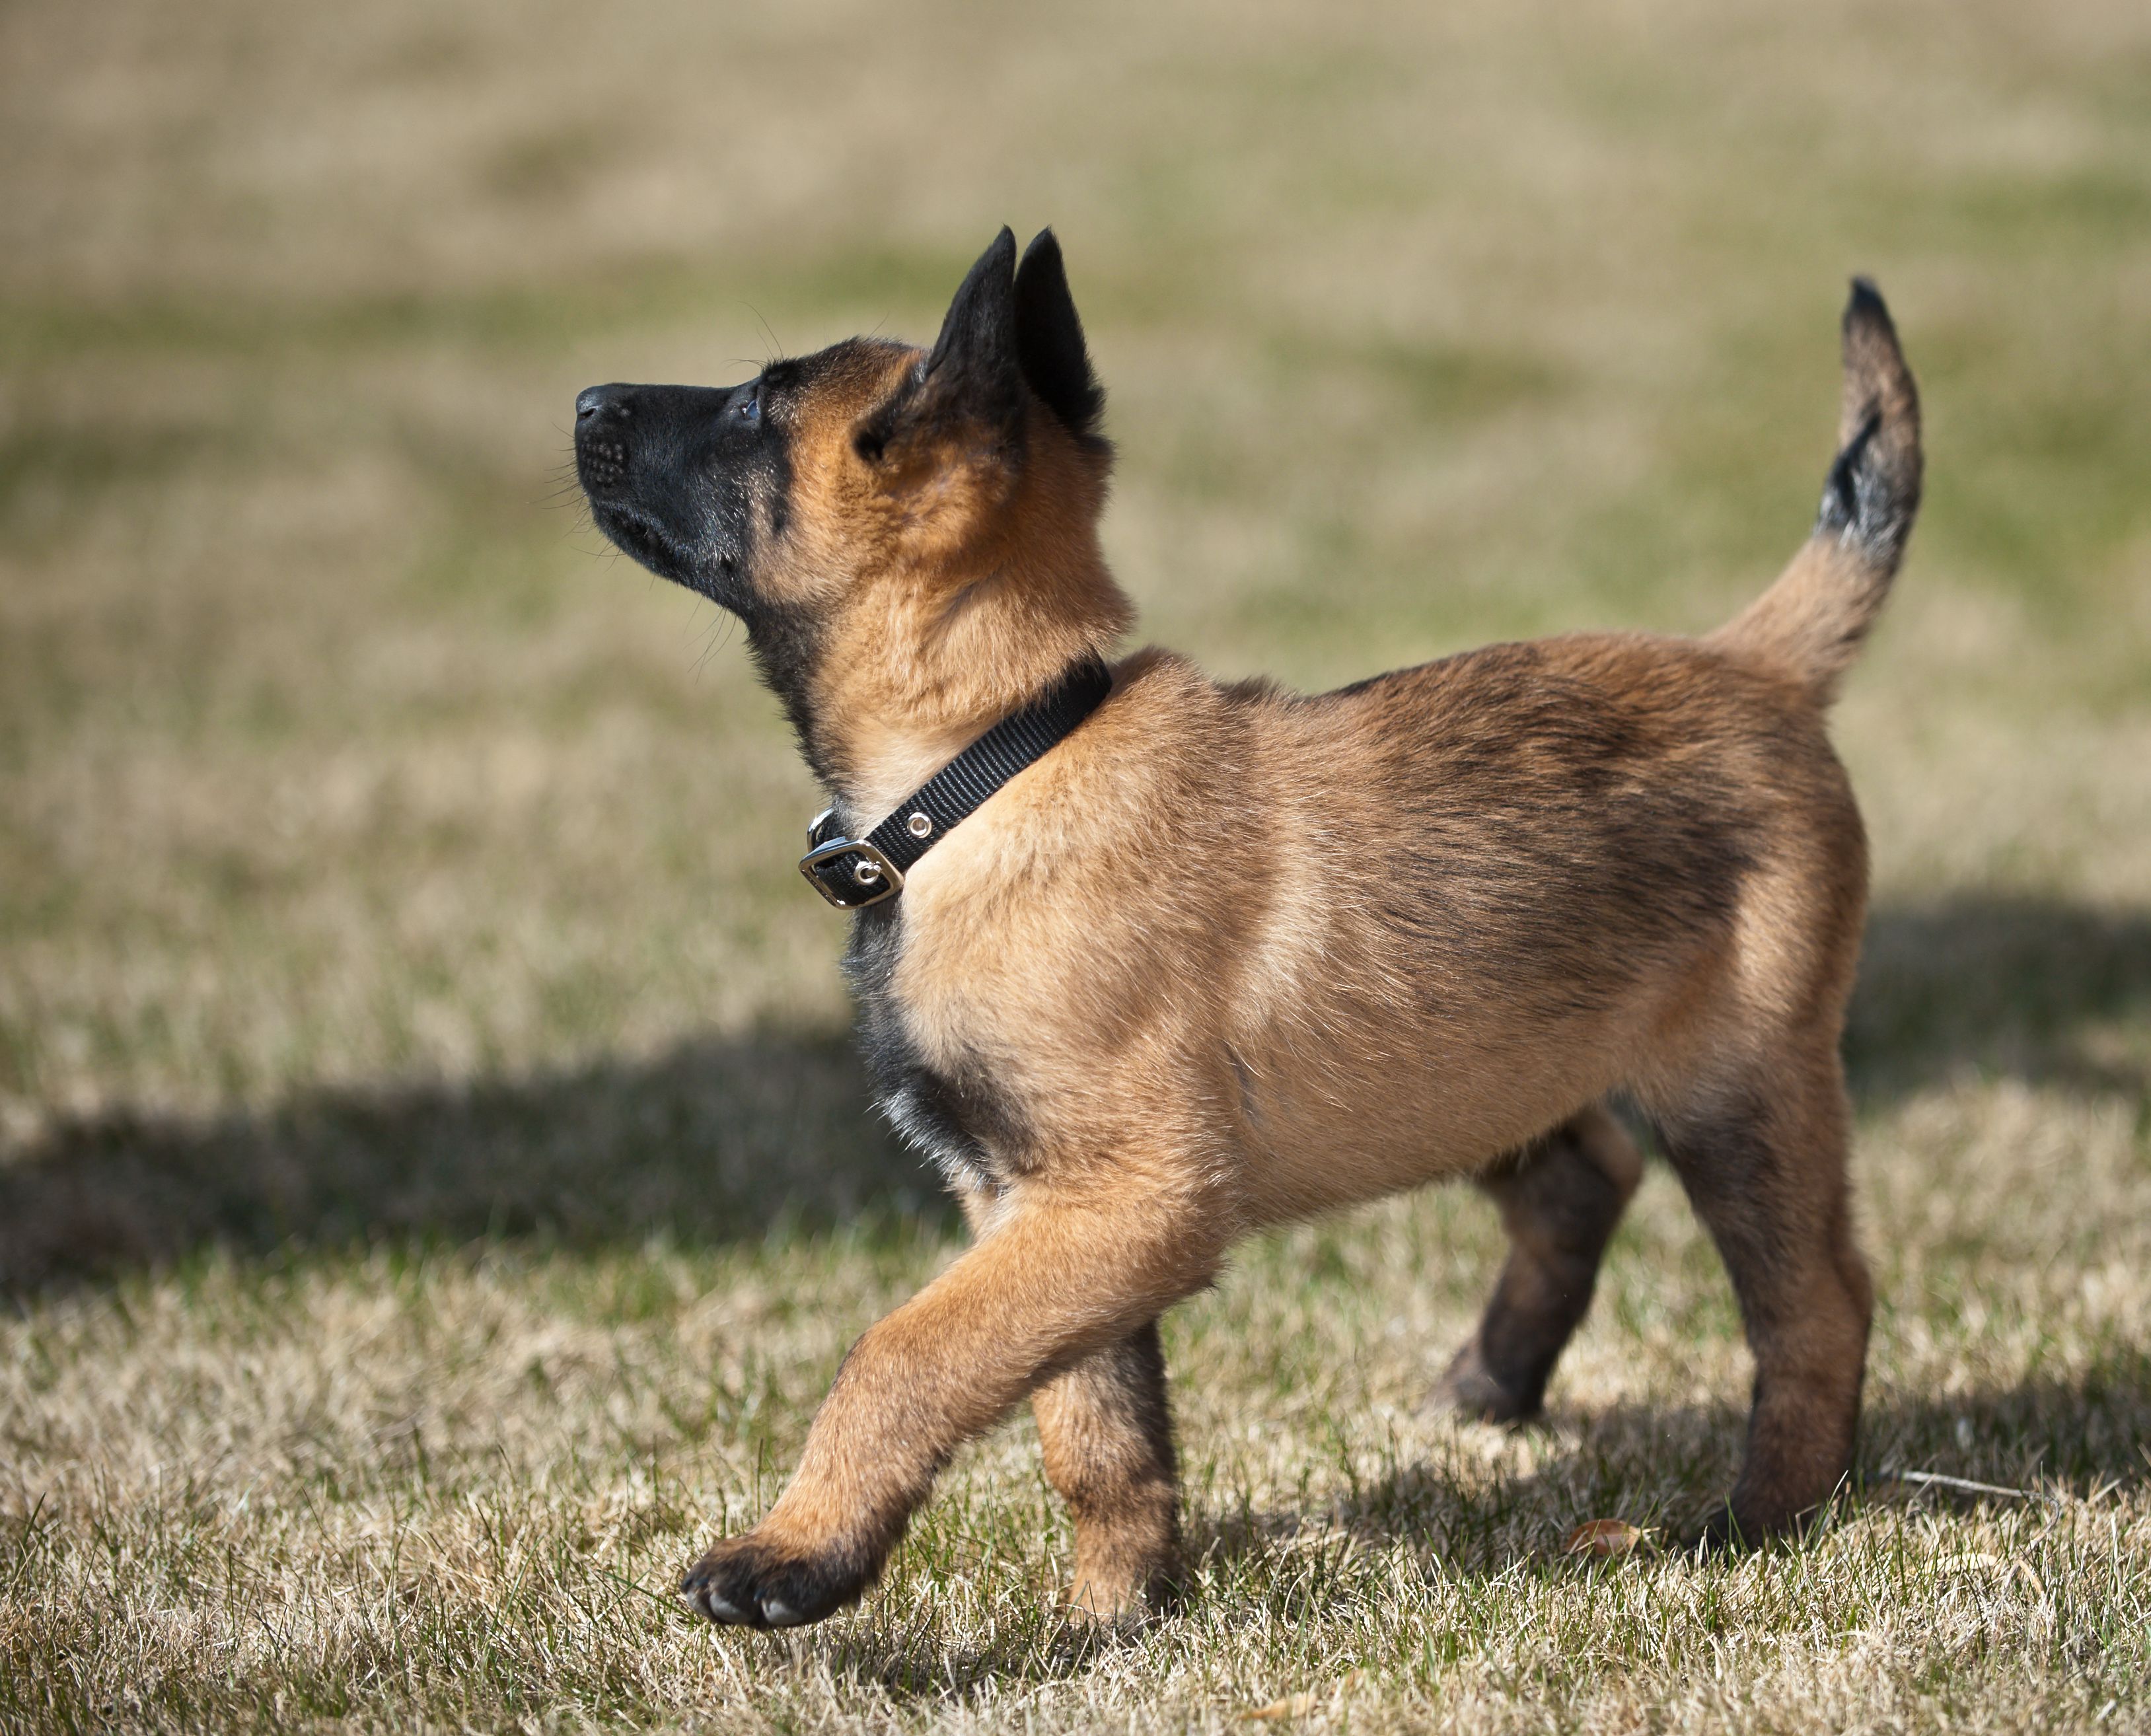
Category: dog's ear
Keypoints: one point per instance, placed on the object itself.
(1049, 340)
(975, 366)
(968, 390)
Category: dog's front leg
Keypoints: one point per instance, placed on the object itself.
(1058, 1278)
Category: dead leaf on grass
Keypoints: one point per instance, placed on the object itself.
(1298, 1705)
(1603, 1538)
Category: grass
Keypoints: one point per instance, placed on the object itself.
(434, 1185)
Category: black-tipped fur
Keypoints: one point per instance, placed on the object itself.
(974, 374)
(1010, 327)
(1049, 338)
(1810, 623)
(1873, 490)
(971, 383)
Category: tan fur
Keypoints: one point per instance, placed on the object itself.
(990, 584)
(1227, 957)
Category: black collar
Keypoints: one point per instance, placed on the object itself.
(854, 872)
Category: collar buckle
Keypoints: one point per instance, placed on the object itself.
(868, 879)
(854, 872)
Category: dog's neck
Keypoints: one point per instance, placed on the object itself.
(883, 725)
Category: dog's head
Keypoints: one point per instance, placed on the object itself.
(907, 534)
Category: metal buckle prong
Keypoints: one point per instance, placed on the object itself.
(875, 868)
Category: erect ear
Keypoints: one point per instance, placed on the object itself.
(974, 369)
(971, 383)
(1048, 340)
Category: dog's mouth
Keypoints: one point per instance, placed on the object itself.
(636, 533)
(712, 573)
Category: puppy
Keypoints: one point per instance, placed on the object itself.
(1185, 960)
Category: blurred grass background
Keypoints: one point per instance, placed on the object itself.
(388, 873)
(331, 750)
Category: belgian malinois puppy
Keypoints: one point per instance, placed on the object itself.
(1220, 957)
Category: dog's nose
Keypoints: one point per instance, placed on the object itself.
(594, 402)
(601, 413)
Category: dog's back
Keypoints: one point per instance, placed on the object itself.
(1407, 926)
(1556, 860)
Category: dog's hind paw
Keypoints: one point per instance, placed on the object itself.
(1468, 1387)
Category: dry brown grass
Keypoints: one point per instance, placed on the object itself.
(433, 1191)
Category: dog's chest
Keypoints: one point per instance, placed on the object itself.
(950, 1107)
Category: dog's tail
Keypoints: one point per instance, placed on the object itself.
(1811, 623)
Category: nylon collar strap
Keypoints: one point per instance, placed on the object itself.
(854, 872)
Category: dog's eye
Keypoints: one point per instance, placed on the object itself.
(751, 411)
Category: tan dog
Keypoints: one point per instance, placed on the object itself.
(1225, 957)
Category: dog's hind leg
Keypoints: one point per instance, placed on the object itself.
(1560, 1201)
(1764, 1166)
(1107, 1435)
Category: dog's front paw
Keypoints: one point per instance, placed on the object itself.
(754, 1581)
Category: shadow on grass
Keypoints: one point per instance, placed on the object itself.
(726, 1141)
(1327, 1559)
(715, 1142)
(2007, 985)
(1667, 1466)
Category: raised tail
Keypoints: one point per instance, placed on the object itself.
(1809, 625)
